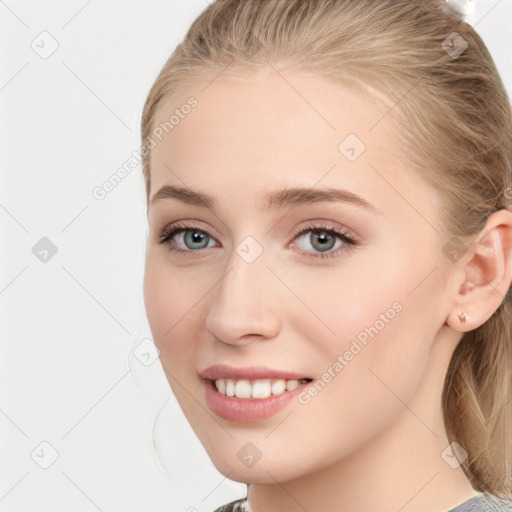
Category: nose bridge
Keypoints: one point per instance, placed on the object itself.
(245, 271)
(242, 303)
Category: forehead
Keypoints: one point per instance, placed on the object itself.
(275, 129)
(272, 106)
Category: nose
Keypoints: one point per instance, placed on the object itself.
(244, 304)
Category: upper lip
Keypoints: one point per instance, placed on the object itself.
(222, 371)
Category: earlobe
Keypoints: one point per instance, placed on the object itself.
(486, 274)
(459, 321)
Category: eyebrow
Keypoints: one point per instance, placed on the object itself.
(287, 197)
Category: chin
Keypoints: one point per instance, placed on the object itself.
(264, 471)
(252, 475)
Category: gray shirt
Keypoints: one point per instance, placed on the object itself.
(484, 502)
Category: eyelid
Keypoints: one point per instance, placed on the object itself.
(326, 225)
(186, 224)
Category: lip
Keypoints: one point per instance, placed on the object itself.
(247, 409)
(222, 371)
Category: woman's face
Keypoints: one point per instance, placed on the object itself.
(251, 292)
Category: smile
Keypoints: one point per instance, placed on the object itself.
(257, 388)
(249, 393)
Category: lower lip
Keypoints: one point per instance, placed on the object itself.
(247, 409)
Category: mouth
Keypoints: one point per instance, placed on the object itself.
(249, 393)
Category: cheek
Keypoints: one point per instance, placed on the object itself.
(171, 301)
(159, 300)
(370, 330)
(171, 310)
(170, 294)
(342, 303)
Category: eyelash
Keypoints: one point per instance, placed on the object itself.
(168, 234)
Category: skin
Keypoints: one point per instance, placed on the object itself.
(372, 438)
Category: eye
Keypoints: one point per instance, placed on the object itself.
(323, 239)
(185, 238)
(326, 241)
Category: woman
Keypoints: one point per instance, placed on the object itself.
(330, 253)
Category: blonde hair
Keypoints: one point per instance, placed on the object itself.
(454, 117)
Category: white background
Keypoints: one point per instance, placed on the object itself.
(69, 376)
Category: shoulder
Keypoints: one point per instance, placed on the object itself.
(485, 503)
(235, 506)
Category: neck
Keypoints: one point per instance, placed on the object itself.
(401, 468)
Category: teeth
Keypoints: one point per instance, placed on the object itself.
(278, 387)
(291, 385)
(221, 386)
(243, 389)
(261, 389)
(256, 388)
(230, 388)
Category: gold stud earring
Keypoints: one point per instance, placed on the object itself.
(463, 317)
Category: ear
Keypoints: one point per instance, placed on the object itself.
(483, 274)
